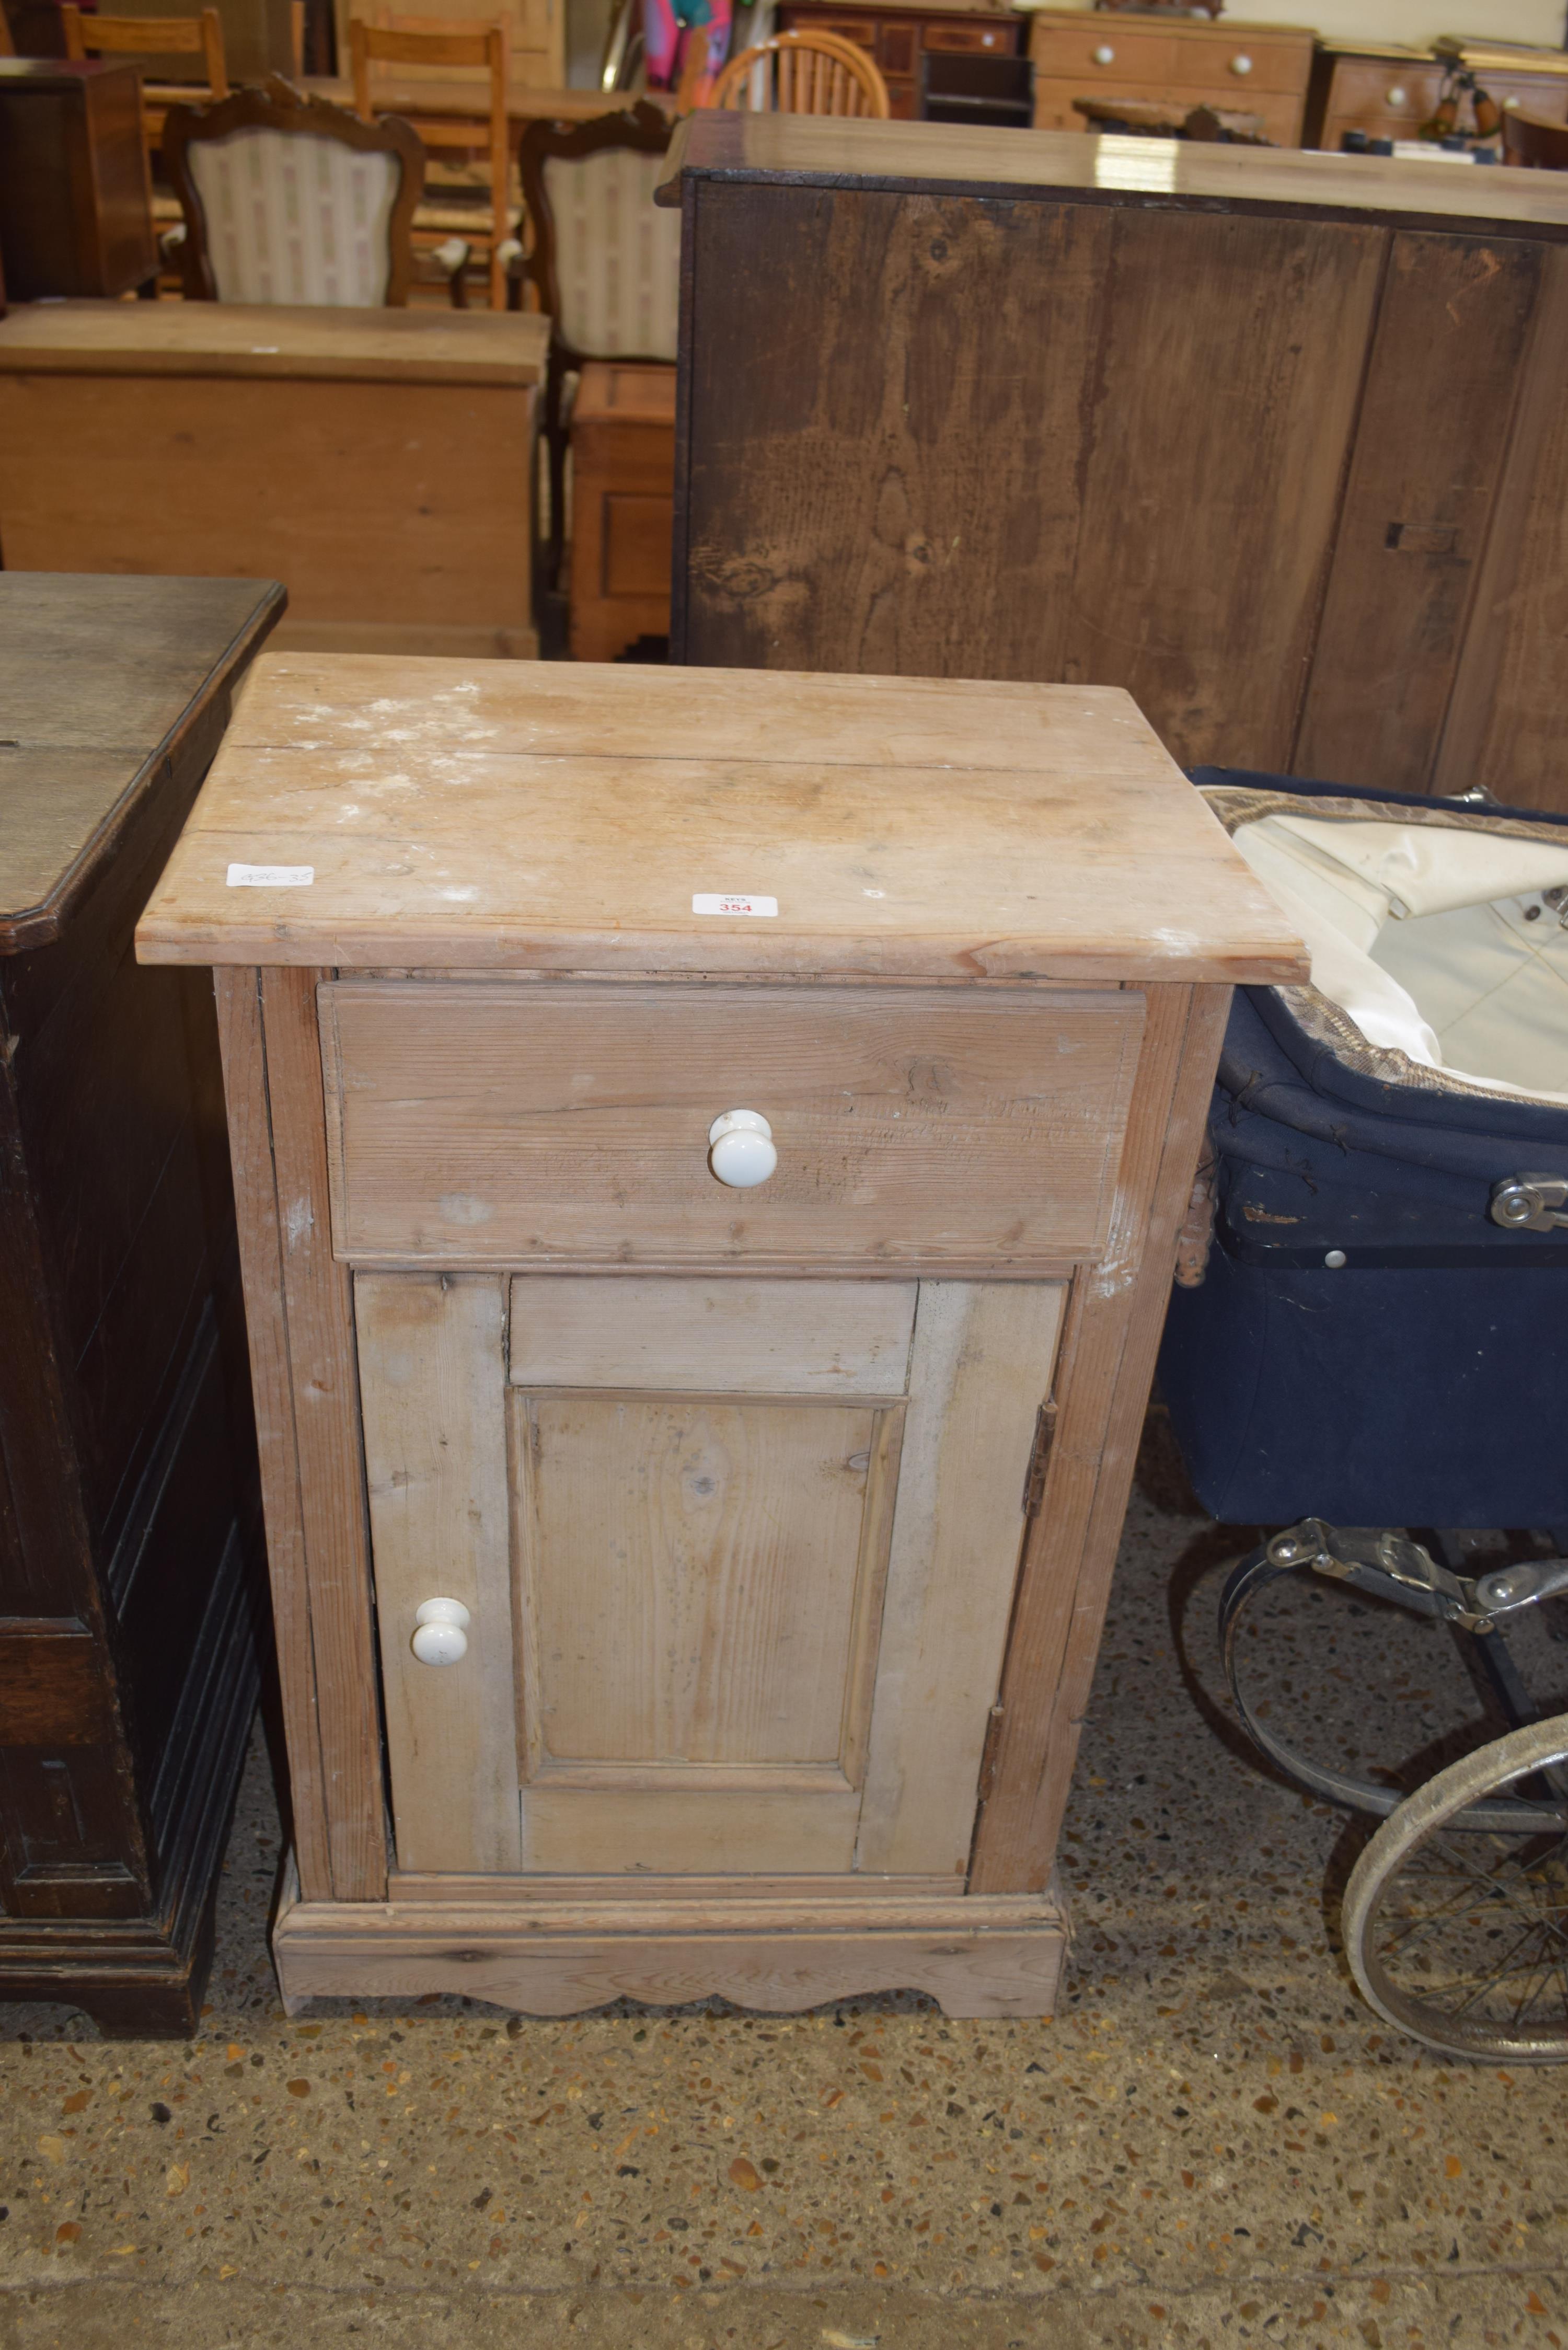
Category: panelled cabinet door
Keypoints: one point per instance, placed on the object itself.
(736, 1559)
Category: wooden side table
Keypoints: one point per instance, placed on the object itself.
(129, 1518)
(623, 506)
(710, 1152)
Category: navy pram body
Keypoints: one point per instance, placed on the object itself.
(1370, 1341)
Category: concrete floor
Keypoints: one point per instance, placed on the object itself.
(1213, 2143)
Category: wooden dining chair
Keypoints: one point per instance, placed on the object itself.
(287, 199)
(154, 36)
(605, 263)
(1534, 141)
(804, 73)
(436, 41)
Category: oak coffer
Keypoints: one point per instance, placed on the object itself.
(710, 1152)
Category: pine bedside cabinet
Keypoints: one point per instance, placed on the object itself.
(710, 1148)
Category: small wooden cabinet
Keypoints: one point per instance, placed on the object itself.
(896, 35)
(713, 1328)
(1259, 70)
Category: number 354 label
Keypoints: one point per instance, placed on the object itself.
(271, 877)
(731, 901)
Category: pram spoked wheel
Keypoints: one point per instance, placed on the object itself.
(1456, 1916)
(1458, 1936)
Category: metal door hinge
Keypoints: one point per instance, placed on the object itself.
(1039, 1459)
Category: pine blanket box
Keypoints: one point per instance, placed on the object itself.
(709, 1150)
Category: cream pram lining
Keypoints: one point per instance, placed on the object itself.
(1438, 944)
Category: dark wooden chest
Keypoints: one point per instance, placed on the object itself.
(129, 1604)
(75, 203)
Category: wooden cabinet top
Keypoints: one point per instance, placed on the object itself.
(525, 816)
(239, 338)
(99, 679)
(813, 150)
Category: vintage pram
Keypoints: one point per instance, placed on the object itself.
(1371, 1325)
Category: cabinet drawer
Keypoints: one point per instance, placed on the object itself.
(1104, 54)
(981, 40)
(1382, 89)
(479, 1123)
(856, 29)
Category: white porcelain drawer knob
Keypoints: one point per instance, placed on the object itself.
(1104, 55)
(1241, 65)
(440, 1633)
(1397, 95)
(740, 1149)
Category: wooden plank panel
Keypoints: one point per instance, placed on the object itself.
(893, 403)
(476, 1123)
(1108, 1363)
(319, 1314)
(993, 1958)
(866, 1894)
(1229, 368)
(389, 503)
(838, 1339)
(980, 1369)
(684, 1831)
(242, 1043)
(1510, 710)
(689, 1573)
(433, 1377)
(1429, 448)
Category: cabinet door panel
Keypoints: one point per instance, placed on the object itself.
(711, 1630)
(689, 1573)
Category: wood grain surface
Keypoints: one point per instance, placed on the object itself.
(837, 1339)
(977, 1958)
(906, 828)
(274, 341)
(86, 741)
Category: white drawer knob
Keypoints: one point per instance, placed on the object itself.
(1104, 55)
(1397, 96)
(1241, 65)
(740, 1149)
(442, 1634)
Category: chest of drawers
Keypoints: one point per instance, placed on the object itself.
(1261, 69)
(700, 1339)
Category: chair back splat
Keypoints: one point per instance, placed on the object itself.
(439, 42)
(804, 73)
(287, 199)
(606, 259)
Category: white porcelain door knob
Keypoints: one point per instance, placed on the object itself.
(740, 1149)
(1104, 55)
(1241, 65)
(440, 1633)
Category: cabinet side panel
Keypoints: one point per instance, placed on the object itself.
(433, 1384)
(1107, 1367)
(319, 1321)
(266, 1325)
(980, 1369)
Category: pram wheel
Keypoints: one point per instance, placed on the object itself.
(1459, 1936)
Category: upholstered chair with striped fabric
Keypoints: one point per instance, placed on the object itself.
(287, 199)
(605, 263)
